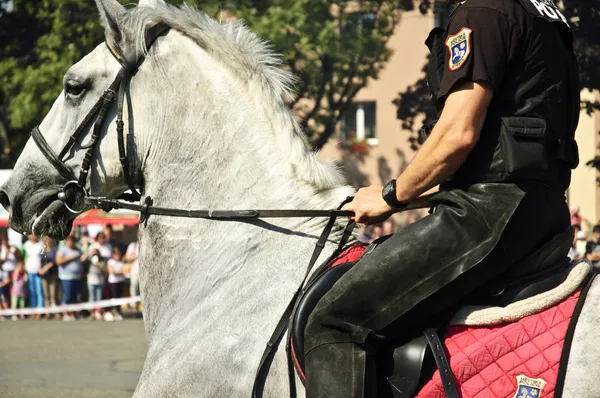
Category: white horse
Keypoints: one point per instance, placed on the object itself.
(211, 131)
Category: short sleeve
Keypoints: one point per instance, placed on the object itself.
(477, 48)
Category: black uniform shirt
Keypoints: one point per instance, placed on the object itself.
(482, 41)
(528, 63)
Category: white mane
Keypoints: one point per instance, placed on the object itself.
(256, 66)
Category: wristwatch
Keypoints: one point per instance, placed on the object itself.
(389, 195)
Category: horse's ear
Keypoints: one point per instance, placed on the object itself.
(111, 15)
(151, 3)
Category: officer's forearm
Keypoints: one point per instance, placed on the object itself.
(450, 142)
(439, 157)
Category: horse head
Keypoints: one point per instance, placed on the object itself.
(211, 93)
(31, 194)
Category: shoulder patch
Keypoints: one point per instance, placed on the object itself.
(528, 387)
(459, 46)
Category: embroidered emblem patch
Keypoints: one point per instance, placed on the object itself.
(459, 46)
(529, 388)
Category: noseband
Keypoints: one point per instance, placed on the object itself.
(74, 192)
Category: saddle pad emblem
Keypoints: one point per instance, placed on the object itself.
(459, 46)
(529, 388)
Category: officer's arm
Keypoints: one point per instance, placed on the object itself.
(450, 142)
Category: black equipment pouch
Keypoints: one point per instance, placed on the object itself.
(525, 146)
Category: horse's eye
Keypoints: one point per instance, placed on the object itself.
(74, 88)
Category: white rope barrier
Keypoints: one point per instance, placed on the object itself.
(72, 307)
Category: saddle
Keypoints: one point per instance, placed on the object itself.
(415, 361)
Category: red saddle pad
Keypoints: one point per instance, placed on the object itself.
(486, 361)
(349, 255)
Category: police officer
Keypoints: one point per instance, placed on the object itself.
(503, 148)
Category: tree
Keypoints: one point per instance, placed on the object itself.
(584, 15)
(39, 41)
(333, 46)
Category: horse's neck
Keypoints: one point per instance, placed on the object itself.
(206, 283)
(214, 290)
(193, 262)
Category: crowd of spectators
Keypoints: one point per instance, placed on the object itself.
(584, 246)
(39, 274)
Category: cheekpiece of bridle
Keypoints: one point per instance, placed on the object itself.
(74, 193)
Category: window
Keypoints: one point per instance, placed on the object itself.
(359, 122)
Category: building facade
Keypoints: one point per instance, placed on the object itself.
(385, 150)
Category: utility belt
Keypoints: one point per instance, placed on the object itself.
(525, 152)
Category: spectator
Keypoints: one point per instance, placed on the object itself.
(49, 271)
(5, 290)
(8, 261)
(575, 216)
(84, 239)
(19, 281)
(413, 216)
(116, 282)
(131, 256)
(70, 271)
(98, 253)
(33, 262)
(592, 251)
(108, 233)
(581, 242)
(388, 227)
(364, 234)
(576, 228)
(577, 251)
(377, 231)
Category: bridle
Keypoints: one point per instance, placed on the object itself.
(74, 193)
(76, 199)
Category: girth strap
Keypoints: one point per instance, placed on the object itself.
(442, 363)
(265, 361)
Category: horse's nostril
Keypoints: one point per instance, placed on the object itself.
(4, 200)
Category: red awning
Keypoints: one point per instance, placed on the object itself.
(100, 217)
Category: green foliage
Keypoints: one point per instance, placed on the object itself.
(39, 41)
(333, 46)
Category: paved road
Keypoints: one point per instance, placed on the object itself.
(81, 359)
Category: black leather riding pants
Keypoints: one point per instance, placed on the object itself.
(474, 235)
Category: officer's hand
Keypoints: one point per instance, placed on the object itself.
(369, 207)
